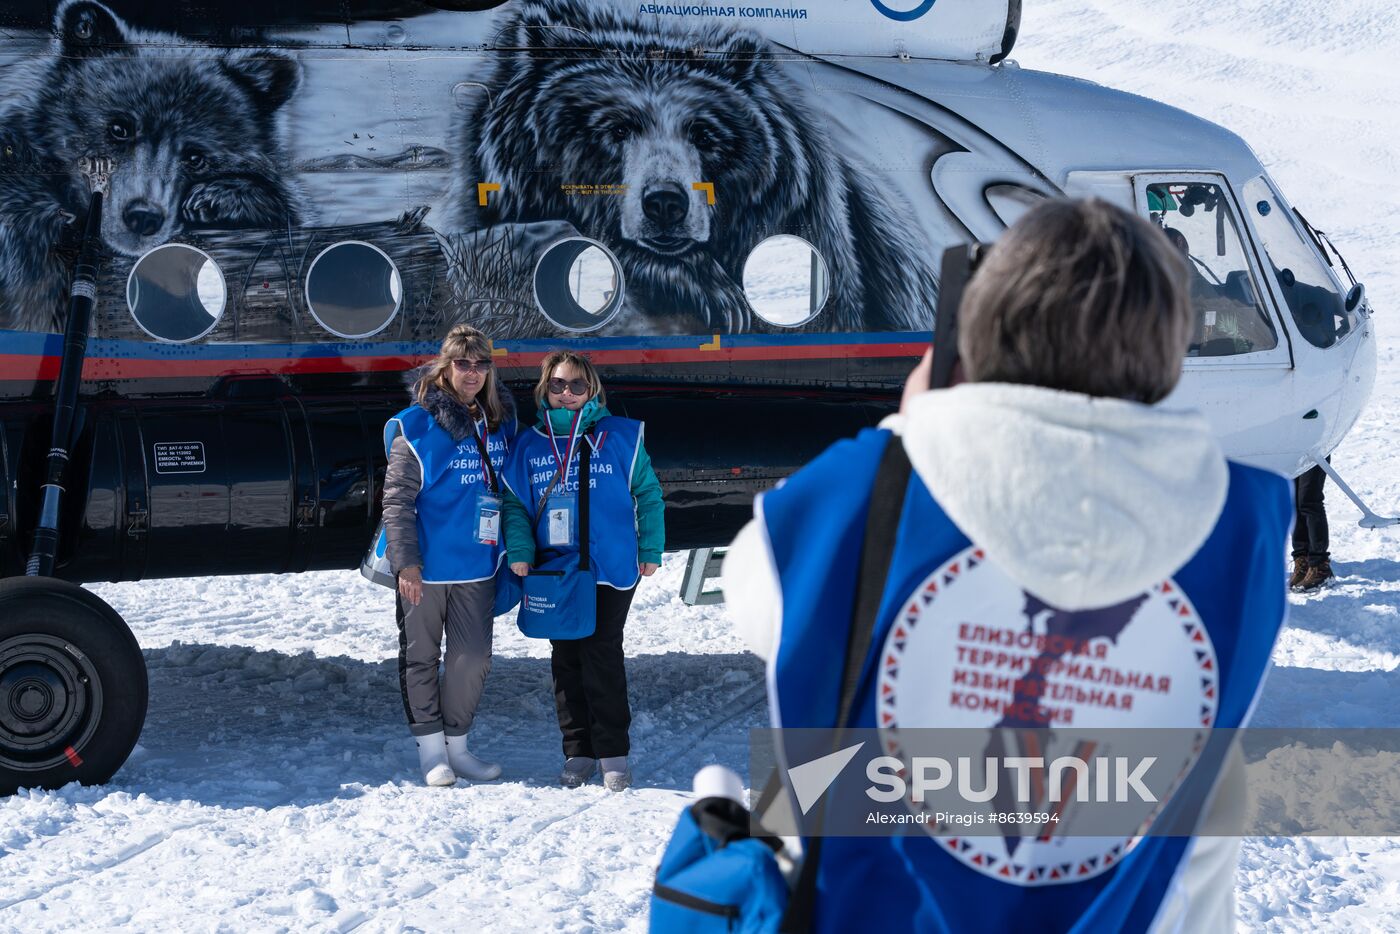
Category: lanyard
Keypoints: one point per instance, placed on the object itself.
(564, 461)
(478, 431)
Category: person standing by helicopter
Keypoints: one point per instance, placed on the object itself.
(1312, 564)
(625, 534)
(442, 509)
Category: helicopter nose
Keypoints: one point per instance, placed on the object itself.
(143, 218)
(666, 206)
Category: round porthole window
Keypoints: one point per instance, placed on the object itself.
(353, 289)
(786, 281)
(176, 293)
(578, 284)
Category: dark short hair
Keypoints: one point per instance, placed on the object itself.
(1082, 296)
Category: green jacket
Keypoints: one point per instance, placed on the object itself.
(646, 493)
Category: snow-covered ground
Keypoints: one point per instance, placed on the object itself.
(275, 787)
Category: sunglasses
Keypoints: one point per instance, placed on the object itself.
(471, 366)
(578, 387)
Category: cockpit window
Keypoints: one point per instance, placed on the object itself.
(1230, 318)
(1310, 291)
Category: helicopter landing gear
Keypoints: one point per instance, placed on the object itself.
(72, 686)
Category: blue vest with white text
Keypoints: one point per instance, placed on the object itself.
(952, 633)
(447, 500)
(612, 534)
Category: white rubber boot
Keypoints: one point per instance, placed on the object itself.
(432, 759)
(616, 775)
(467, 765)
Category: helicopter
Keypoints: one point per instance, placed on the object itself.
(227, 230)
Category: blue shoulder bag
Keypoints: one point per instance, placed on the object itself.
(507, 581)
(560, 596)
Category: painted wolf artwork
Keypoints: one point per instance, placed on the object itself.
(545, 169)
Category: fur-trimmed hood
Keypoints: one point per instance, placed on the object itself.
(1084, 501)
(446, 410)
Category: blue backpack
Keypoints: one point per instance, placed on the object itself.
(715, 877)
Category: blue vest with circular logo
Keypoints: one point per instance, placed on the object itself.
(612, 533)
(952, 642)
(447, 500)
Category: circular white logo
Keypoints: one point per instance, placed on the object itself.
(971, 649)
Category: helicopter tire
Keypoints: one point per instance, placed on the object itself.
(73, 686)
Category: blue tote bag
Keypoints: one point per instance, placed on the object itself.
(560, 597)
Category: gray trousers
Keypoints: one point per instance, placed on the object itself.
(464, 612)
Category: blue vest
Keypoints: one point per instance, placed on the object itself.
(612, 533)
(1223, 611)
(447, 501)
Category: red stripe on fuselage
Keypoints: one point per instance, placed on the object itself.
(45, 368)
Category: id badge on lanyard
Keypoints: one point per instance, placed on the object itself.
(488, 518)
(561, 511)
(488, 504)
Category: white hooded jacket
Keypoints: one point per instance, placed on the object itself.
(1084, 502)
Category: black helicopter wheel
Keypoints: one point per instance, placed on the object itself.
(72, 686)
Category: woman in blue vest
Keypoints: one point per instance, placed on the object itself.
(442, 510)
(626, 534)
(1067, 553)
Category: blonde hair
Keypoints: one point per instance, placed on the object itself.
(579, 362)
(464, 342)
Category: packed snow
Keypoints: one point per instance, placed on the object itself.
(275, 786)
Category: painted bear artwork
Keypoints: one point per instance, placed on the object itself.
(665, 153)
(638, 111)
(194, 137)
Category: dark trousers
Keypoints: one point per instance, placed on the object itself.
(590, 683)
(1310, 522)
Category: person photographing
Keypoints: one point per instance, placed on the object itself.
(1046, 504)
(551, 510)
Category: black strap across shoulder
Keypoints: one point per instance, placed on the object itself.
(881, 528)
(584, 482)
(492, 483)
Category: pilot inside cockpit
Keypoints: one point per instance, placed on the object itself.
(1230, 319)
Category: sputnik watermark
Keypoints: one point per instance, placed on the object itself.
(1050, 785)
(1118, 778)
